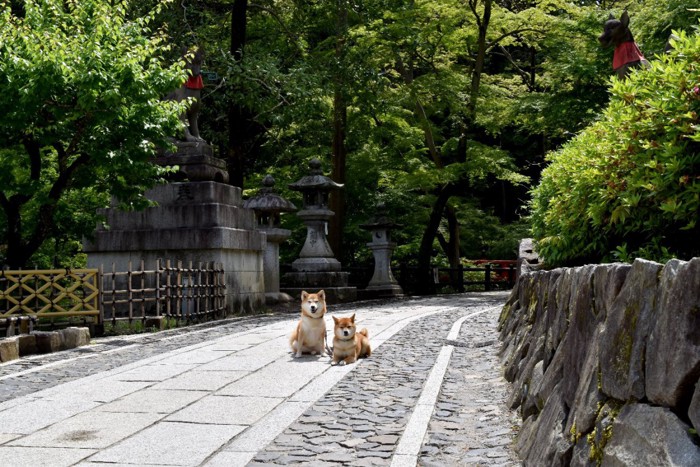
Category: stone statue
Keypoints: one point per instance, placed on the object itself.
(616, 33)
(192, 88)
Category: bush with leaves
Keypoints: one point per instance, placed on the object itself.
(629, 185)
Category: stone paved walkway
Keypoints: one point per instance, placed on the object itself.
(231, 394)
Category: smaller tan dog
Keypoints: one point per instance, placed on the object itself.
(349, 345)
(310, 334)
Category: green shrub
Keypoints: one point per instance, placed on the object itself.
(629, 185)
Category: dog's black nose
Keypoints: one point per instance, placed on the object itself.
(313, 309)
(346, 333)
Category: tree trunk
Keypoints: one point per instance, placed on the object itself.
(425, 253)
(339, 151)
(237, 120)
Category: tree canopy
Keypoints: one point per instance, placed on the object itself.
(81, 113)
(443, 111)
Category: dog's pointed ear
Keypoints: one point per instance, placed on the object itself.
(304, 295)
(352, 318)
(322, 294)
(335, 320)
(625, 19)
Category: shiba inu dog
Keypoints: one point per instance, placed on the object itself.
(310, 334)
(349, 345)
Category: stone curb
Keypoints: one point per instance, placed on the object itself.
(42, 342)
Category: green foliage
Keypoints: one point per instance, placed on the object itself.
(628, 186)
(81, 114)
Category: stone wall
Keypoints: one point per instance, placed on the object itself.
(605, 361)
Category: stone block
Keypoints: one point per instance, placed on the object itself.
(588, 396)
(607, 283)
(673, 350)
(531, 406)
(623, 340)
(549, 444)
(646, 435)
(581, 456)
(74, 337)
(47, 341)
(551, 378)
(9, 349)
(694, 409)
(557, 311)
(27, 344)
(582, 323)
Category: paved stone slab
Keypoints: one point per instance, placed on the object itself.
(282, 378)
(37, 414)
(153, 401)
(88, 430)
(168, 443)
(155, 372)
(56, 457)
(98, 391)
(203, 355)
(226, 410)
(197, 380)
(4, 438)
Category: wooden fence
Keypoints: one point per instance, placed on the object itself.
(484, 277)
(185, 293)
(54, 293)
(181, 292)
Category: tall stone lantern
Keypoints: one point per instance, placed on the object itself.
(317, 267)
(268, 206)
(382, 283)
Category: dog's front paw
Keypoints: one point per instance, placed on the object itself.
(297, 355)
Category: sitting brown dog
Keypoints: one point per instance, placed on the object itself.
(349, 344)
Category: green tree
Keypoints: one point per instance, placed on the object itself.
(81, 114)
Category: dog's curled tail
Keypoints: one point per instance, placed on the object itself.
(364, 332)
(292, 341)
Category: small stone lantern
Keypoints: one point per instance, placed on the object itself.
(316, 254)
(382, 283)
(268, 206)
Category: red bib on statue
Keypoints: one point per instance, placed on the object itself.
(625, 53)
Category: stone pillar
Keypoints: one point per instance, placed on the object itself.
(268, 206)
(383, 283)
(316, 268)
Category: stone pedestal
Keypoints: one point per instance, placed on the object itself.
(271, 263)
(383, 283)
(198, 221)
(196, 163)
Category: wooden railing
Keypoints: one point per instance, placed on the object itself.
(183, 293)
(484, 277)
(49, 293)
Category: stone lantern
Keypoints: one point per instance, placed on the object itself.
(316, 267)
(382, 283)
(268, 206)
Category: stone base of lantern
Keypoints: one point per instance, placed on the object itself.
(380, 291)
(335, 284)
